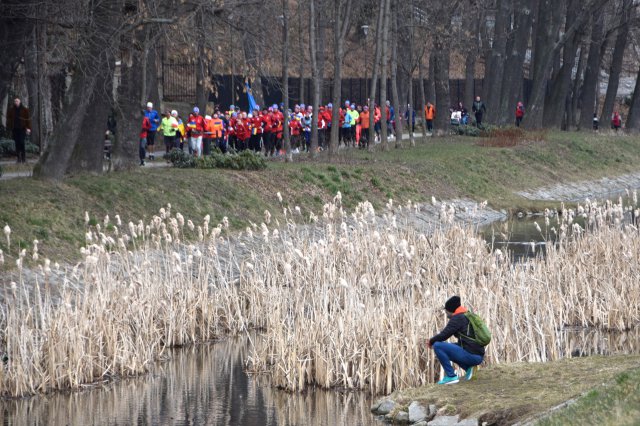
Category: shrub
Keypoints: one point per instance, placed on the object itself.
(468, 130)
(8, 148)
(181, 159)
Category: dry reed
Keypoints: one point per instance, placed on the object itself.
(344, 300)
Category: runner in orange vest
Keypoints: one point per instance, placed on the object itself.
(429, 116)
(217, 126)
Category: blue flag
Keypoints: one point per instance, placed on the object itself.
(252, 102)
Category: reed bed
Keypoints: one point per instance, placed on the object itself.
(342, 299)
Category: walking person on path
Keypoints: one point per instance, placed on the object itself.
(467, 353)
(19, 124)
(154, 119)
(479, 109)
(144, 133)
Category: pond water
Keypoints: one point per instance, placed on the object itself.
(202, 385)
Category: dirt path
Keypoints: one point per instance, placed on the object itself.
(579, 191)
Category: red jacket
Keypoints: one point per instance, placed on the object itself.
(256, 124)
(296, 127)
(280, 122)
(146, 126)
(195, 125)
(327, 115)
(242, 131)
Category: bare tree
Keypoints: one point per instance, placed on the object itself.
(341, 22)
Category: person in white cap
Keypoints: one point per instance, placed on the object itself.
(154, 119)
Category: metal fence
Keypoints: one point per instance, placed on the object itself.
(179, 85)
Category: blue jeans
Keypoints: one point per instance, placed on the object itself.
(447, 352)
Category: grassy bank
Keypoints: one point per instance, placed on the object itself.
(508, 393)
(614, 403)
(444, 168)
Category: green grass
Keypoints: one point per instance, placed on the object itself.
(444, 167)
(614, 403)
(507, 393)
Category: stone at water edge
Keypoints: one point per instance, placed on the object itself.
(402, 417)
(375, 405)
(417, 412)
(386, 406)
(444, 421)
(422, 423)
(468, 422)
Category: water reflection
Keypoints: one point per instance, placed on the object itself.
(203, 385)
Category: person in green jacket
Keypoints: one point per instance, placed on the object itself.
(169, 128)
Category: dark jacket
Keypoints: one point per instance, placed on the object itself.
(460, 327)
(479, 107)
(24, 120)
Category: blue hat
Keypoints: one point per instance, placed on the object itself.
(196, 109)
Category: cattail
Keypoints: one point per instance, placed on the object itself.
(86, 218)
(279, 197)
(7, 234)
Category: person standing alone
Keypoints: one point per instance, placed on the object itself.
(479, 109)
(19, 124)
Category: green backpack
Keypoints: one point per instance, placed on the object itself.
(480, 329)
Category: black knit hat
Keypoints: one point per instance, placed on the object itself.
(452, 304)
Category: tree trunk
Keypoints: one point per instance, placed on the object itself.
(315, 77)
(302, 55)
(423, 101)
(572, 115)
(285, 80)
(616, 60)
(590, 89)
(383, 79)
(374, 73)
(340, 29)
(545, 51)
(394, 81)
(430, 89)
(91, 76)
(32, 72)
(441, 72)
(201, 65)
(513, 76)
(495, 64)
(556, 100)
(633, 120)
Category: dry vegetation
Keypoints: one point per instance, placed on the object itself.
(344, 299)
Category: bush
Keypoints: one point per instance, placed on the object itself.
(181, 159)
(246, 160)
(468, 130)
(8, 148)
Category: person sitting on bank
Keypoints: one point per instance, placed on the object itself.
(466, 353)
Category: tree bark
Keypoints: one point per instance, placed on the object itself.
(633, 120)
(441, 74)
(556, 101)
(201, 65)
(285, 80)
(315, 77)
(394, 82)
(513, 75)
(94, 68)
(384, 140)
(495, 65)
(374, 73)
(589, 90)
(626, 14)
(340, 28)
(546, 49)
